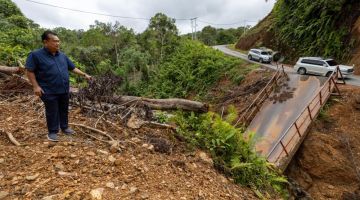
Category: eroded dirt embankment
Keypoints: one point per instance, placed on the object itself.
(327, 165)
(152, 163)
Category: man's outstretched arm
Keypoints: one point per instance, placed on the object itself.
(79, 72)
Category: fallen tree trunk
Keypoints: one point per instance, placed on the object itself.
(10, 70)
(162, 104)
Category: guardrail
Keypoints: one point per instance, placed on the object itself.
(292, 138)
(255, 106)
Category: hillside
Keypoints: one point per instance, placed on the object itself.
(308, 28)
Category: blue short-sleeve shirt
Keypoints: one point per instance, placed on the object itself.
(51, 71)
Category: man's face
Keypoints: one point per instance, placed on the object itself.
(52, 43)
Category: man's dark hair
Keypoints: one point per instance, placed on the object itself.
(46, 34)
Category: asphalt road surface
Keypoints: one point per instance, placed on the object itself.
(351, 80)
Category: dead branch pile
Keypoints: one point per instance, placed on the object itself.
(99, 97)
(15, 84)
(100, 86)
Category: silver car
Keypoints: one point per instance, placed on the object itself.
(320, 66)
(260, 55)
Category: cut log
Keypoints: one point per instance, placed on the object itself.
(162, 104)
(11, 70)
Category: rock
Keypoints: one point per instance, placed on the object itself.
(33, 177)
(205, 158)
(112, 159)
(136, 140)
(59, 166)
(151, 147)
(52, 197)
(2, 160)
(73, 156)
(133, 190)
(201, 194)
(103, 152)
(96, 194)
(223, 179)
(114, 149)
(62, 173)
(3, 194)
(110, 185)
(90, 153)
(357, 99)
(117, 162)
(145, 196)
(134, 122)
(123, 187)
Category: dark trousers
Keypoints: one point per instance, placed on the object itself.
(56, 110)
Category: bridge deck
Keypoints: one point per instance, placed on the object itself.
(281, 110)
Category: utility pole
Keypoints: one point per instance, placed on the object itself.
(193, 28)
(244, 27)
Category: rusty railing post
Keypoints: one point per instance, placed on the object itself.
(287, 154)
(308, 108)
(297, 129)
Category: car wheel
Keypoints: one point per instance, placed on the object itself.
(261, 60)
(250, 57)
(328, 74)
(302, 71)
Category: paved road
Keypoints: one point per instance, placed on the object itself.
(351, 80)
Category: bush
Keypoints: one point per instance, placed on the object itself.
(192, 68)
(232, 153)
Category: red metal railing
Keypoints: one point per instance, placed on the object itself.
(255, 106)
(290, 141)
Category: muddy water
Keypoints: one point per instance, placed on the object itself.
(280, 111)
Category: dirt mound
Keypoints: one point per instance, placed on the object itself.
(260, 35)
(327, 164)
(152, 163)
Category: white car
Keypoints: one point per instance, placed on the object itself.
(260, 55)
(320, 66)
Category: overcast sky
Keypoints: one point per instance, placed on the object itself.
(209, 12)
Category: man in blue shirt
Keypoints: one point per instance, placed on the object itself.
(48, 71)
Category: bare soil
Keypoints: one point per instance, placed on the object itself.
(327, 164)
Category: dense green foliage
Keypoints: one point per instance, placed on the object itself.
(192, 67)
(231, 152)
(216, 36)
(314, 27)
(16, 34)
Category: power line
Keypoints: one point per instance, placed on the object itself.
(229, 24)
(96, 13)
(193, 20)
(88, 12)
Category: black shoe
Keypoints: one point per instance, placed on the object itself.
(52, 137)
(68, 131)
